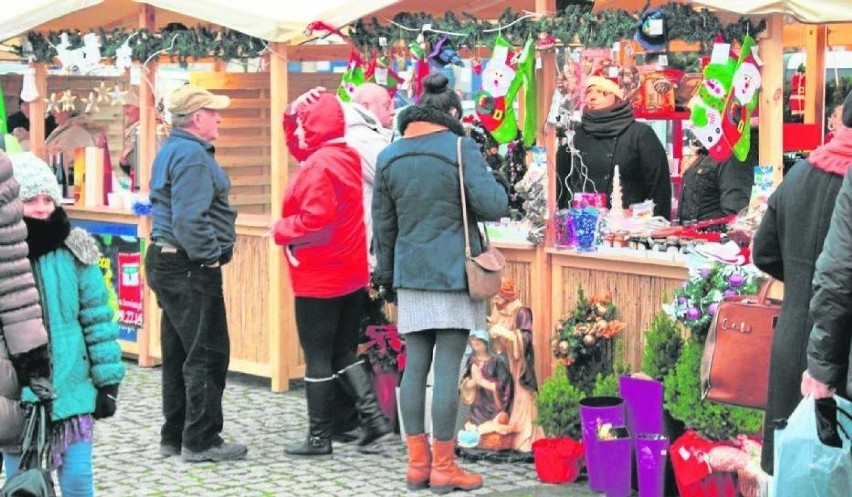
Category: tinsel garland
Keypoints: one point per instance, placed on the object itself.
(576, 23)
(175, 40)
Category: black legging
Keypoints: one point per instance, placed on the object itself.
(327, 329)
(449, 346)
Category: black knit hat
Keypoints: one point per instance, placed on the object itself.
(847, 111)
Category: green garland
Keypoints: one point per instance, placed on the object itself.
(599, 29)
(575, 22)
(176, 41)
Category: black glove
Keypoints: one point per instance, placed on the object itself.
(106, 402)
(32, 364)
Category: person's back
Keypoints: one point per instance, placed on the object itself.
(421, 172)
(786, 246)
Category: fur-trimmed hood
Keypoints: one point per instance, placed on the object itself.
(420, 119)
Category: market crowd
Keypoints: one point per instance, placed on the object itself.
(362, 211)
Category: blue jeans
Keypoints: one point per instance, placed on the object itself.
(195, 346)
(76, 475)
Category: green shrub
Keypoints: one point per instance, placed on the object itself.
(683, 401)
(663, 344)
(558, 403)
(606, 386)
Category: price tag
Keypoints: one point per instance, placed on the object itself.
(383, 42)
(427, 27)
(720, 53)
(500, 53)
(655, 27)
(663, 60)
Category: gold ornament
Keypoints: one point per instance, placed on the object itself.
(564, 347)
(66, 102)
(589, 340)
(91, 103)
(51, 104)
(101, 92)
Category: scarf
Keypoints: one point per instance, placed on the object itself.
(836, 155)
(428, 114)
(46, 235)
(609, 122)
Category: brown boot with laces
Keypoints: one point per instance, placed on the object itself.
(419, 462)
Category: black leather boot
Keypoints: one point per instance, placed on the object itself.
(346, 425)
(320, 396)
(374, 425)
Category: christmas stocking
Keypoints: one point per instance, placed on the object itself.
(742, 101)
(29, 92)
(706, 117)
(352, 78)
(495, 103)
(526, 70)
(379, 71)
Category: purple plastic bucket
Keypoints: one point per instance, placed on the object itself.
(595, 411)
(651, 455)
(643, 404)
(617, 454)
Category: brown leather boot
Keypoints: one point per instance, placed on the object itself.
(446, 476)
(419, 462)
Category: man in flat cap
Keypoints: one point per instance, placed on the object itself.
(193, 235)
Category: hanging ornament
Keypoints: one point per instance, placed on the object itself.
(352, 78)
(101, 92)
(545, 42)
(91, 103)
(443, 54)
(117, 96)
(651, 33)
(29, 91)
(52, 104)
(495, 102)
(91, 52)
(66, 102)
(123, 55)
(379, 71)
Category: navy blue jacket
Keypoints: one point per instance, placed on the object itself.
(417, 217)
(189, 199)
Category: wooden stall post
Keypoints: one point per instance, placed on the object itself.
(771, 121)
(38, 111)
(147, 337)
(283, 341)
(541, 278)
(815, 39)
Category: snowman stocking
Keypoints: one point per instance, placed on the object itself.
(707, 110)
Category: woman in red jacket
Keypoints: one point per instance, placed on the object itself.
(323, 234)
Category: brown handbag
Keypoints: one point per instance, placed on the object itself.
(484, 272)
(735, 365)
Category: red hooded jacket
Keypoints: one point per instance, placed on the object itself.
(322, 218)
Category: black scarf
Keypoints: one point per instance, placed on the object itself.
(46, 235)
(609, 122)
(428, 114)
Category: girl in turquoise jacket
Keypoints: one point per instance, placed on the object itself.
(85, 355)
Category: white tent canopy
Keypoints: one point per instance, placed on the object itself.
(272, 21)
(20, 16)
(808, 11)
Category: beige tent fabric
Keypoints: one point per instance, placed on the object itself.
(808, 11)
(273, 21)
(17, 17)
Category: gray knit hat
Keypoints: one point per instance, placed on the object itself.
(35, 177)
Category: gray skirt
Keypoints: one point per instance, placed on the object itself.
(425, 309)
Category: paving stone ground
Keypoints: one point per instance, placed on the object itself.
(128, 464)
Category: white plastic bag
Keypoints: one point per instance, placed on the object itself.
(806, 467)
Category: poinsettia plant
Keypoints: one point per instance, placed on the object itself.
(584, 339)
(384, 347)
(697, 300)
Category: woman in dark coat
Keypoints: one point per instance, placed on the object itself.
(419, 241)
(786, 246)
(609, 136)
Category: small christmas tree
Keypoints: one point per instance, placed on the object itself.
(615, 218)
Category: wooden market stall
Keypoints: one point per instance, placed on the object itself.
(251, 148)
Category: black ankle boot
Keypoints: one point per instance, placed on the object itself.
(320, 396)
(374, 425)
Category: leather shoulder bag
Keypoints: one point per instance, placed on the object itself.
(735, 365)
(484, 272)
